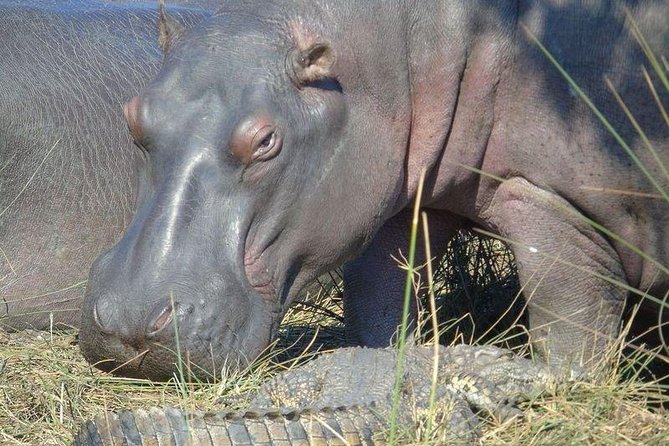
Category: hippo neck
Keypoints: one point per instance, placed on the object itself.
(457, 59)
(430, 71)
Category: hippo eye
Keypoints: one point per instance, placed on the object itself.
(266, 143)
(255, 139)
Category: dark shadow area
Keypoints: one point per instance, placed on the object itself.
(592, 43)
(478, 300)
(476, 285)
(478, 294)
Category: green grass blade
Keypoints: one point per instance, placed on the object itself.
(645, 47)
(638, 128)
(656, 97)
(605, 122)
(404, 327)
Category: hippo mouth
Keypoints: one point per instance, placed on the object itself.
(170, 345)
(257, 270)
(183, 329)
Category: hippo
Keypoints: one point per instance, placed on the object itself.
(67, 163)
(282, 139)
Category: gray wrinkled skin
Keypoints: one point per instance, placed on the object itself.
(67, 164)
(349, 393)
(284, 138)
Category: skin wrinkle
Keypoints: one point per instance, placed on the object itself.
(67, 76)
(258, 271)
(431, 103)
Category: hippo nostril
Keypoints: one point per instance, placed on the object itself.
(162, 320)
(100, 320)
(163, 315)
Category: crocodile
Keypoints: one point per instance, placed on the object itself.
(346, 397)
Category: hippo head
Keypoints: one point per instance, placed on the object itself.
(267, 164)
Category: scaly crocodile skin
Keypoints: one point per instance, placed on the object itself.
(169, 426)
(345, 397)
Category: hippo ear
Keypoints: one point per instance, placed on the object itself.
(311, 65)
(169, 29)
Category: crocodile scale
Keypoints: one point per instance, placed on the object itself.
(170, 426)
(346, 397)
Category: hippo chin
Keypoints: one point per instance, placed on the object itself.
(282, 139)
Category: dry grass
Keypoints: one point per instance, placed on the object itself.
(48, 389)
(598, 411)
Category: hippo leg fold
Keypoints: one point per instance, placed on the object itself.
(374, 282)
(566, 269)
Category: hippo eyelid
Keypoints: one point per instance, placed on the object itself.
(256, 138)
(266, 143)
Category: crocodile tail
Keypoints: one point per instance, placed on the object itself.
(170, 426)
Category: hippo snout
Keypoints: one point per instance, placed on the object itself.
(119, 340)
(149, 323)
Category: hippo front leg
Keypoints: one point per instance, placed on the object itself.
(374, 282)
(574, 313)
